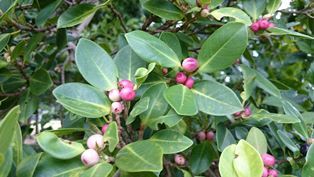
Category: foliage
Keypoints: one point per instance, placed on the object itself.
(60, 60)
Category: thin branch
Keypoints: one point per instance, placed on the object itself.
(147, 22)
(120, 129)
(119, 16)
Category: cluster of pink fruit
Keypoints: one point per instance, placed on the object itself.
(189, 65)
(126, 93)
(269, 161)
(202, 135)
(261, 24)
(244, 114)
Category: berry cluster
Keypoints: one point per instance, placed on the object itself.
(90, 156)
(244, 114)
(189, 65)
(261, 24)
(126, 93)
(202, 135)
(269, 161)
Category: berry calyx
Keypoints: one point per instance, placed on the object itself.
(181, 78)
(104, 128)
(265, 172)
(272, 173)
(90, 157)
(210, 135)
(95, 142)
(125, 84)
(127, 94)
(179, 159)
(189, 82)
(268, 160)
(117, 107)
(114, 95)
(190, 64)
(201, 136)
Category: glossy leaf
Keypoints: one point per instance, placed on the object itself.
(140, 156)
(254, 8)
(75, 172)
(140, 107)
(4, 39)
(163, 9)
(308, 169)
(226, 168)
(17, 145)
(287, 141)
(170, 119)
(112, 136)
(40, 82)
(82, 99)
(47, 12)
(173, 42)
(218, 51)
(279, 118)
(181, 99)
(95, 65)
(99, 170)
(234, 13)
(58, 148)
(216, 99)
(280, 31)
(201, 157)
(273, 5)
(27, 167)
(224, 137)
(257, 139)
(75, 15)
(141, 74)
(152, 49)
(171, 141)
(127, 63)
(6, 165)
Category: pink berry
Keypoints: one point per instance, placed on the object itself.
(255, 27)
(117, 107)
(95, 142)
(210, 135)
(179, 159)
(125, 84)
(114, 95)
(164, 71)
(189, 82)
(127, 94)
(181, 78)
(268, 160)
(104, 128)
(90, 157)
(272, 173)
(247, 112)
(265, 172)
(238, 114)
(271, 25)
(190, 64)
(201, 136)
(205, 12)
(263, 24)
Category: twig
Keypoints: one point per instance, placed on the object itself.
(120, 129)
(117, 174)
(147, 22)
(120, 18)
(11, 94)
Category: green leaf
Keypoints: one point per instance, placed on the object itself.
(201, 158)
(76, 15)
(171, 141)
(216, 99)
(141, 74)
(127, 63)
(6, 166)
(49, 166)
(257, 139)
(4, 39)
(218, 51)
(308, 117)
(40, 82)
(287, 141)
(28, 104)
(254, 8)
(7, 130)
(95, 65)
(32, 43)
(224, 137)
(235, 13)
(279, 118)
(157, 104)
(173, 42)
(226, 168)
(181, 99)
(248, 162)
(17, 145)
(140, 156)
(152, 49)
(112, 136)
(280, 31)
(27, 167)
(170, 119)
(58, 148)
(75, 172)
(214, 3)
(45, 13)
(82, 99)
(140, 107)
(99, 170)
(308, 169)
(163, 9)
(273, 5)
